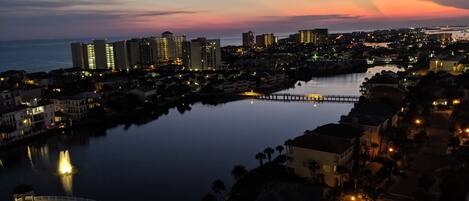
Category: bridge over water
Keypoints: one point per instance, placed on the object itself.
(316, 98)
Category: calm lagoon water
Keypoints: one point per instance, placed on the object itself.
(177, 156)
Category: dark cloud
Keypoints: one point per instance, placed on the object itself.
(75, 22)
(308, 18)
(163, 12)
(463, 4)
(48, 4)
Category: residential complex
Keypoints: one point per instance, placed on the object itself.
(203, 54)
(134, 53)
(249, 40)
(316, 36)
(265, 40)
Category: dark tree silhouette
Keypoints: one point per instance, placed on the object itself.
(260, 156)
(218, 186)
(269, 151)
(279, 149)
(238, 172)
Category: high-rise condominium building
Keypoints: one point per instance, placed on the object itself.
(90, 56)
(165, 48)
(96, 55)
(316, 36)
(321, 36)
(104, 55)
(141, 52)
(134, 53)
(169, 47)
(78, 58)
(248, 39)
(179, 46)
(203, 54)
(265, 40)
(306, 36)
(148, 52)
(120, 55)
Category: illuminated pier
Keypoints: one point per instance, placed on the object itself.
(317, 98)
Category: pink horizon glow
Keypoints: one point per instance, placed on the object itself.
(124, 17)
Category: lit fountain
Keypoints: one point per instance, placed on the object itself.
(65, 170)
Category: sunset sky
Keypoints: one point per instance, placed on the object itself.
(31, 19)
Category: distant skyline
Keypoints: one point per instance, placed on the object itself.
(45, 19)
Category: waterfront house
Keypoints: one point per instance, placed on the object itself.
(30, 93)
(387, 79)
(112, 84)
(76, 107)
(386, 94)
(235, 86)
(448, 64)
(15, 122)
(9, 98)
(373, 118)
(22, 121)
(39, 79)
(329, 147)
(144, 93)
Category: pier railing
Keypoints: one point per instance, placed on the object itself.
(286, 97)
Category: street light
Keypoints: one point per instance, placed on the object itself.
(418, 121)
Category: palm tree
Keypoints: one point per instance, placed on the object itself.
(238, 172)
(313, 166)
(218, 187)
(279, 148)
(269, 151)
(260, 156)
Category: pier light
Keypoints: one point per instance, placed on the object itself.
(251, 93)
(316, 96)
(391, 149)
(456, 102)
(466, 130)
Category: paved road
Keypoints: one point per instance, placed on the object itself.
(427, 159)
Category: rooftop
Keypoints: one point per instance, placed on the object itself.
(370, 113)
(383, 79)
(338, 130)
(323, 143)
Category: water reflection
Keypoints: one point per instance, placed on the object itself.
(65, 170)
(67, 183)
